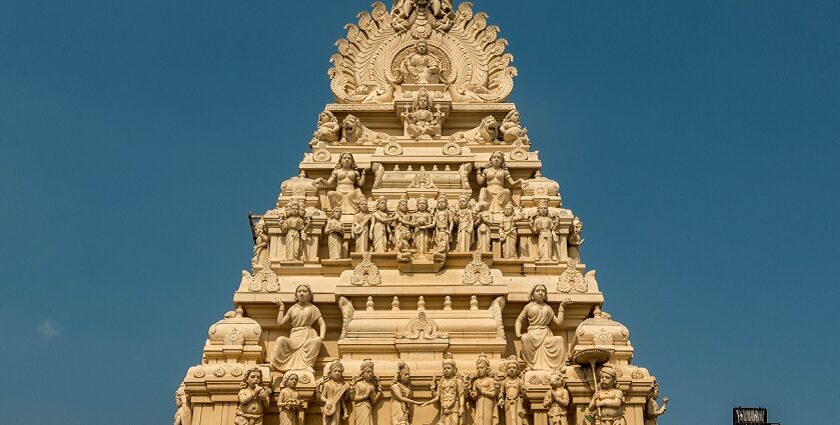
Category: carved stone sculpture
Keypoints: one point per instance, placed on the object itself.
(334, 392)
(328, 129)
(362, 228)
(448, 392)
(347, 313)
(652, 409)
(419, 67)
(511, 130)
(509, 234)
(335, 235)
(288, 400)
(465, 218)
(575, 238)
(484, 219)
(486, 132)
(366, 273)
(183, 416)
(354, 132)
(483, 391)
(543, 226)
(477, 271)
(423, 226)
(608, 401)
(260, 243)
(496, 182)
(512, 394)
(464, 173)
(444, 224)
(347, 180)
(402, 230)
(380, 231)
(365, 392)
(437, 14)
(299, 350)
(557, 400)
(402, 405)
(253, 399)
(541, 350)
(295, 228)
(421, 122)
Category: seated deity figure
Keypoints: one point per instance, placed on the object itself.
(484, 391)
(362, 226)
(347, 180)
(335, 235)
(543, 226)
(541, 350)
(444, 225)
(509, 234)
(365, 392)
(465, 217)
(511, 129)
(421, 122)
(295, 227)
(401, 392)
(328, 129)
(252, 398)
(557, 400)
(512, 394)
(423, 225)
(420, 67)
(288, 401)
(448, 392)
(608, 401)
(495, 179)
(299, 350)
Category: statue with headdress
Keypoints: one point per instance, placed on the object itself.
(607, 403)
(448, 392)
(365, 392)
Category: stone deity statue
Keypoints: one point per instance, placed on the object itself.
(511, 129)
(402, 230)
(380, 230)
(465, 217)
(365, 392)
(423, 226)
(183, 416)
(444, 224)
(512, 394)
(295, 228)
(576, 239)
(347, 180)
(252, 398)
(289, 402)
(557, 400)
(543, 226)
(334, 392)
(421, 122)
(260, 243)
(496, 181)
(608, 401)
(484, 391)
(299, 350)
(509, 234)
(402, 405)
(362, 226)
(652, 409)
(420, 67)
(541, 350)
(404, 13)
(328, 129)
(484, 219)
(335, 235)
(449, 394)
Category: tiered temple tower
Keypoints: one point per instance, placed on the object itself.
(419, 234)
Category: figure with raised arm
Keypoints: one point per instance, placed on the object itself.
(541, 349)
(496, 182)
(348, 180)
(299, 350)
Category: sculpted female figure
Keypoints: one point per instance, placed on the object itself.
(576, 238)
(365, 393)
(512, 393)
(449, 393)
(381, 224)
(482, 231)
(361, 230)
(540, 348)
(508, 233)
(465, 216)
(184, 415)
(333, 392)
(421, 122)
(300, 349)
(420, 67)
(347, 180)
(253, 399)
(260, 243)
(401, 392)
(652, 409)
(608, 401)
(444, 224)
(484, 391)
(511, 129)
(557, 400)
(328, 129)
(402, 230)
(423, 224)
(294, 226)
(543, 226)
(335, 235)
(496, 179)
(289, 401)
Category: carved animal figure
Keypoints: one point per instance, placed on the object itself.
(486, 132)
(353, 131)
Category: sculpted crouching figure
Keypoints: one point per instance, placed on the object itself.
(253, 399)
(608, 401)
(449, 394)
(540, 348)
(300, 349)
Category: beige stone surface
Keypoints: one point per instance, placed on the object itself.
(419, 268)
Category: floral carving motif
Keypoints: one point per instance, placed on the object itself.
(477, 271)
(421, 327)
(366, 273)
(572, 279)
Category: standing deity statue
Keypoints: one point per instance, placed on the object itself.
(576, 239)
(365, 392)
(484, 391)
(496, 180)
(335, 235)
(183, 416)
(608, 401)
(509, 234)
(465, 218)
(402, 230)
(288, 401)
(652, 409)
(511, 130)
(421, 122)
(557, 399)
(420, 67)
(423, 225)
(543, 226)
(362, 226)
(260, 243)
(295, 228)
(541, 350)
(444, 224)
(328, 129)
(512, 394)
(380, 230)
(299, 350)
(484, 219)
(253, 399)
(449, 394)
(402, 405)
(334, 392)
(347, 180)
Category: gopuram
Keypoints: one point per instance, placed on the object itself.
(418, 268)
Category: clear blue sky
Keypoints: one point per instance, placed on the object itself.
(698, 141)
